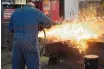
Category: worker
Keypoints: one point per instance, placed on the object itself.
(24, 24)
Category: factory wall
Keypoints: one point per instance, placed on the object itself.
(71, 9)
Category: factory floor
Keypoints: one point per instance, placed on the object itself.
(6, 62)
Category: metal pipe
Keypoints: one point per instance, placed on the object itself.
(91, 61)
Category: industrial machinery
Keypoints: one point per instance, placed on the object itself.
(58, 51)
(8, 7)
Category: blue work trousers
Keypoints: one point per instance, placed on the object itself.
(22, 55)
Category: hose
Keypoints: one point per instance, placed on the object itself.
(43, 47)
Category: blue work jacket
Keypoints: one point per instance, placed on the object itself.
(24, 23)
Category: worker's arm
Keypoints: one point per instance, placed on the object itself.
(10, 33)
(44, 21)
(10, 26)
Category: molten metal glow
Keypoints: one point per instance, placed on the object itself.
(78, 31)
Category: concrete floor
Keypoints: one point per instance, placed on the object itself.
(5, 58)
(99, 50)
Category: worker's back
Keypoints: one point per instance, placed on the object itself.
(25, 23)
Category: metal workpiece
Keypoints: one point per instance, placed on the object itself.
(66, 52)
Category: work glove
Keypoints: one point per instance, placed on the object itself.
(40, 28)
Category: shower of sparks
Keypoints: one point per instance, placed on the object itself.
(87, 26)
